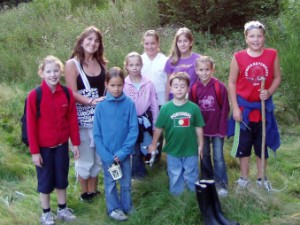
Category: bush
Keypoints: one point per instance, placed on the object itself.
(283, 35)
(215, 16)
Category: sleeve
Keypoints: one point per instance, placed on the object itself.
(73, 120)
(153, 104)
(101, 150)
(199, 121)
(132, 135)
(168, 67)
(224, 111)
(161, 121)
(31, 121)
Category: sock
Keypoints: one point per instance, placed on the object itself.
(62, 206)
(46, 210)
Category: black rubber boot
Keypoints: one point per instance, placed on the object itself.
(205, 204)
(212, 192)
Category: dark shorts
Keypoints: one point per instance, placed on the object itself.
(55, 169)
(251, 138)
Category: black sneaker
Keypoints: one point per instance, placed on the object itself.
(86, 197)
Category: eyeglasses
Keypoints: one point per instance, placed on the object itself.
(253, 25)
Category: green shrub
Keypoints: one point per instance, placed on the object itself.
(215, 16)
(283, 34)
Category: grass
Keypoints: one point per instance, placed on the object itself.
(151, 198)
(34, 30)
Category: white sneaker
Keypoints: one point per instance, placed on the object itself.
(242, 183)
(48, 218)
(222, 192)
(118, 214)
(66, 214)
(266, 184)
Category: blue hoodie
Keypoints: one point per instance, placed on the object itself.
(115, 128)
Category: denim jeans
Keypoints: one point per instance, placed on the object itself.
(181, 171)
(219, 172)
(138, 165)
(115, 200)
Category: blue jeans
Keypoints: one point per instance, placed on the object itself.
(114, 200)
(181, 171)
(139, 170)
(219, 172)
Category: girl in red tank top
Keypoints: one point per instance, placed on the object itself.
(247, 69)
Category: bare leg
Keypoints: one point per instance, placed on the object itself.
(244, 167)
(61, 196)
(84, 184)
(92, 184)
(45, 200)
(259, 168)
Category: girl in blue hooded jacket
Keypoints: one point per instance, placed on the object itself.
(115, 134)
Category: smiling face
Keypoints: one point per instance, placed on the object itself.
(204, 71)
(115, 86)
(184, 45)
(90, 43)
(151, 46)
(51, 73)
(255, 39)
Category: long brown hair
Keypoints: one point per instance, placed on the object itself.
(79, 52)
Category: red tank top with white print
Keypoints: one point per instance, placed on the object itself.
(251, 71)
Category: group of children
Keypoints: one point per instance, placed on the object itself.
(177, 98)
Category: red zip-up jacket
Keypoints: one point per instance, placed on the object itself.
(58, 121)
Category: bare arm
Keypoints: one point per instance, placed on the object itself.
(153, 146)
(265, 94)
(167, 87)
(233, 76)
(199, 132)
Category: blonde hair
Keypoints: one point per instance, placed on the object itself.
(181, 76)
(151, 33)
(50, 59)
(175, 53)
(205, 59)
(129, 55)
(252, 25)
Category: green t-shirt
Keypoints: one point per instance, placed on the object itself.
(179, 125)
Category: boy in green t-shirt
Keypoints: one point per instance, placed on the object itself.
(182, 122)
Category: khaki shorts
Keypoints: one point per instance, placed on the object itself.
(89, 163)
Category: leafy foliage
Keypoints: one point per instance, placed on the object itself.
(215, 16)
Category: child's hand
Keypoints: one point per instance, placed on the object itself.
(76, 152)
(200, 152)
(116, 159)
(37, 160)
(151, 148)
(237, 114)
(264, 94)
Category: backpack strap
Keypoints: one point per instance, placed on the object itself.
(38, 91)
(66, 92)
(194, 92)
(218, 92)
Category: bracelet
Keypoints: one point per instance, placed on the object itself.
(91, 101)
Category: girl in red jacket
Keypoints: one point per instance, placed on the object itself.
(48, 136)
